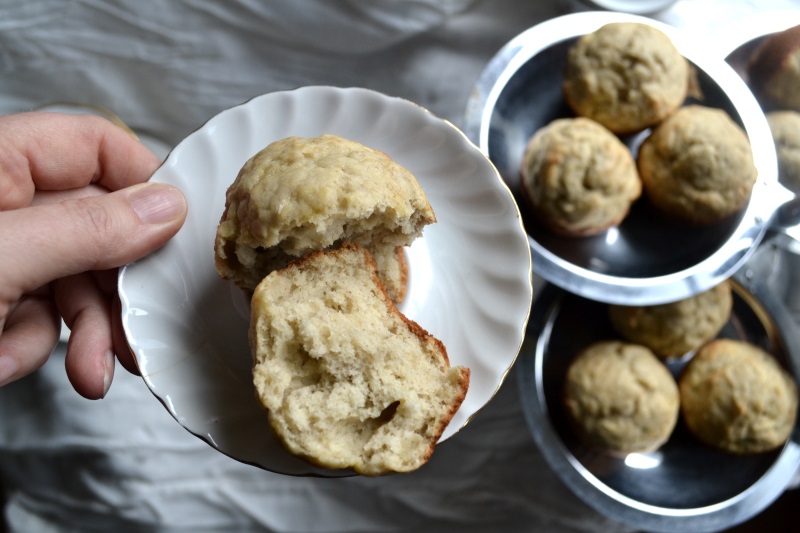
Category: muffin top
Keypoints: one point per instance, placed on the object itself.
(621, 398)
(785, 128)
(579, 177)
(697, 166)
(774, 70)
(676, 328)
(627, 76)
(737, 398)
(300, 195)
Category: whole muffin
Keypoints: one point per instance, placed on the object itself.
(673, 329)
(578, 177)
(774, 70)
(627, 76)
(785, 127)
(299, 195)
(621, 398)
(697, 166)
(737, 398)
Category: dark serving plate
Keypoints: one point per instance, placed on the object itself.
(646, 259)
(685, 485)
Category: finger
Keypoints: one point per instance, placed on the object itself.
(48, 242)
(121, 346)
(87, 312)
(30, 334)
(54, 151)
(107, 280)
(53, 197)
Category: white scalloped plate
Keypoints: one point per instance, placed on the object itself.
(470, 273)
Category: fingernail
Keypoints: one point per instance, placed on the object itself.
(8, 369)
(156, 203)
(108, 371)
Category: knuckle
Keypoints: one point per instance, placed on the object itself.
(94, 222)
(97, 219)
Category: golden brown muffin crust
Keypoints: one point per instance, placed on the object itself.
(674, 329)
(737, 398)
(578, 177)
(621, 398)
(697, 166)
(627, 76)
(785, 128)
(774, 70)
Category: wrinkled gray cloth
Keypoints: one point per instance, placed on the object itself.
(165, 67)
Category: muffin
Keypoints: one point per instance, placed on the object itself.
(697, 166)
(674, 329)
(621, 398)
(347, 380)
(578, 177)
(785, 127)
(299, 195)
(627, 76)
(737, 398)
(773, 70)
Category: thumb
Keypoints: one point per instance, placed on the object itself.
(45, 242)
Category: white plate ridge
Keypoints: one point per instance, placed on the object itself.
(470, 273)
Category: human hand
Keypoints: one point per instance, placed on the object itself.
(73, 208)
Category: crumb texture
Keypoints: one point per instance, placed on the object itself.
(348, 381)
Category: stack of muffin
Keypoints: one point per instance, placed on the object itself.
(695, 166)
(733, 395)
